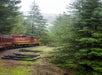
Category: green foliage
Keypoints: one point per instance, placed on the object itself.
(37, 24)
(14, 70)
(20, 27)
(8, 13)
(60, 28)
(89, 31)
(82, 44)
(89, 34)
(63, 34)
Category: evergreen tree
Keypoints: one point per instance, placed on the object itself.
(8, 13)
(83, 52)
(37, 24)
(59, 29)
(65, 35)
(89, 31)
(20, 27)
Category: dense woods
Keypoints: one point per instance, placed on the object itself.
(81, 40)
(37, 24)
(12, 21)
(8, 15)
(76, 34)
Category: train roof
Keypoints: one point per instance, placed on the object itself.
(16, 35)
(22, 35)
(4, 35)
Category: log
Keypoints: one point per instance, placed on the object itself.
(21, 57)
(35, 58)
(28, 55)
(24, 50)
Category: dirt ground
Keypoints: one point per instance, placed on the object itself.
(39, 67)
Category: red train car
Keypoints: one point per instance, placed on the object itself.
(24, 40)
(21, 40)
(36, 41)
(5, 41)
(17, 41)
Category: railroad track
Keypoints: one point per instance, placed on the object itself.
(19, 56)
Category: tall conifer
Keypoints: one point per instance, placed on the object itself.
(90, 36)
(83, 52)
(8, 13)
(37, 24)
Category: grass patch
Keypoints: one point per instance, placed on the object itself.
(1, 63)
(25, 67)
(31, 63)
(42, 48)
(45, 51)
(20, 70)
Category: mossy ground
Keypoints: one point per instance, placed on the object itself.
(12, 67)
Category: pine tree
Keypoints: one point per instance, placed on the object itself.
(89, 31)
(20, 27)
(8, 13)
(37, 24)
(65, 35)
(59, 29)
(83, 52)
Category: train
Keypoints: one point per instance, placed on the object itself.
(17, 40)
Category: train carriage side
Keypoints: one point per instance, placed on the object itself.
(36, 41)
(1, 42)
(5, 41)
(21, 40)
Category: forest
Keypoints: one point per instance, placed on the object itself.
(76, 34)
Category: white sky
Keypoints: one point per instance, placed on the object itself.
(46, 6)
